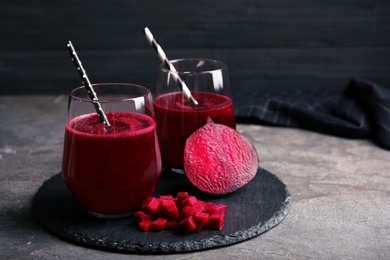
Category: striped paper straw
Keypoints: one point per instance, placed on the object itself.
(87, 83)
(168, 64)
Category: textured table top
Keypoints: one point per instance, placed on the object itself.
(340, 191)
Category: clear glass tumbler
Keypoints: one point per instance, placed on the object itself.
(111, 170)
(178, 117)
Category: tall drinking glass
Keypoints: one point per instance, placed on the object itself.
(178, 117)
(111, 170)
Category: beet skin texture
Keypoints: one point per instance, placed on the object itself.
(219, 160)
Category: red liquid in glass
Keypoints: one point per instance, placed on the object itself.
(177, 118)
(111, 170)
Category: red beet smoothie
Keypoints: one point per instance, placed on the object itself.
(111, 170)
(178, 118)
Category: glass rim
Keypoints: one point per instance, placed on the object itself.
(220, 66)
(73, 95)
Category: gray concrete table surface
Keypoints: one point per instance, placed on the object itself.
(340, 190)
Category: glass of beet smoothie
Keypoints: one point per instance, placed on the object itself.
(112, 169)
(177, 117)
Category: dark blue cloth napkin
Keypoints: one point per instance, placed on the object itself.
(361, 110)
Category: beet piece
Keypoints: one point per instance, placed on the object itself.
(201, 217)
(198, 206)
(192, 210)
(140, 216)
(199, 227)
(190, 201)
(188, 224)
(151, 206)
(208, 205)
(158, 225)
(187, 211)
(173, 224)
(201, 220)
(217, 209)
(218, 159)
(182, 195)
(216, 221)
(145, 225)
(168, 209)
(167, 197)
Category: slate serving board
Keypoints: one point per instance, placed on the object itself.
(252, 210)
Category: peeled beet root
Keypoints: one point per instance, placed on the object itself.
(218, 159)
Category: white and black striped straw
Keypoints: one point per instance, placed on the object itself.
(168, 64)
(87, 83)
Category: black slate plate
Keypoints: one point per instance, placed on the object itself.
(252, 210)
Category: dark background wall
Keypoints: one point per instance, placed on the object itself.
(266, 44)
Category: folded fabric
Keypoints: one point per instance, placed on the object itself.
(361, 110)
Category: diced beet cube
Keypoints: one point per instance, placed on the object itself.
(188, 224)
(140, 216)
(208, 205)
(201, 220)
(145, 225)
(190, 201)
(217, 209)
(168, 209)
(199, 227)
(198, 206)
(167, 197)
(182, 195)
(216, 221)
(159, 224)
(201, 217)
(151, 206)
(187, 211)
(173, 224)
